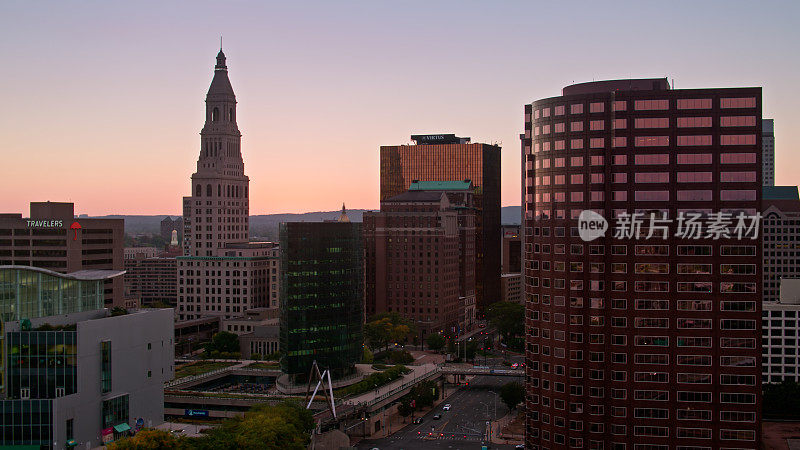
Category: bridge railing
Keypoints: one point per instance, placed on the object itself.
(199, 376)
(346, 407)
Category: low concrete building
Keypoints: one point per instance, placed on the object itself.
(780, 332)
(251, 319)
(263, 340)
(511, 287)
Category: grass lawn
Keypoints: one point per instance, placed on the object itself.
(264, 365)
(199, 367)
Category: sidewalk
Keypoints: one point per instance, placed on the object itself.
(396, 422)
(416, 372)
(500, 429)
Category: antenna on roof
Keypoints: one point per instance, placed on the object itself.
(220, 42)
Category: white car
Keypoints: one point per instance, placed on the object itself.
(446, 407)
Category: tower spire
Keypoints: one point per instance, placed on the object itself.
(343, 216)
(220, 58)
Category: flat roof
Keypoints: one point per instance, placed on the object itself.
(633, 84)
(780, 193)
(439, 138)
(82, 275)
(440, 185)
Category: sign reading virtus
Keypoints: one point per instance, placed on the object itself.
(688, 225)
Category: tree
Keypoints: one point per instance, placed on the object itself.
(512, 394)
(435, 342)
(386, 328)
(223, 341)
(424, 393)
(118, 311)
(404, 408)
(152, 439)
(367, 356)
(508, 318)
(285, 426)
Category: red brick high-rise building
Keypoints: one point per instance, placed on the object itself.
(633, 340)
(446, 157)
(420, 257)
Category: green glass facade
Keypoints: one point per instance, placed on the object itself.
(27, 294)
(26, 422)
(105, 366)
(42, 363)
(321, 296)
(115, 411)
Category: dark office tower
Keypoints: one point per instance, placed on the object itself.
(321, 301)
(638, 340)
(512, 249)
(445, 157)
(768, 151)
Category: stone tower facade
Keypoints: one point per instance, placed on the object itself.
(217, 212)
(222, 273)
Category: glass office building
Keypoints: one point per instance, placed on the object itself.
(29, 292)
(321, 297)
(43, 403)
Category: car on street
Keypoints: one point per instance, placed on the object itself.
(519, 447)
(437, 416)
(446, 407)
(417, 420)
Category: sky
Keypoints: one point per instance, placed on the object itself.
(104, 100)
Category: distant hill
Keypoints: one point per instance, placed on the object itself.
(510, 215)
(266, 225)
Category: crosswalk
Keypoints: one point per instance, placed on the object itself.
(433, 435)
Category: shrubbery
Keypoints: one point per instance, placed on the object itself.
(375, 379)
(395, 357)
(286, 425)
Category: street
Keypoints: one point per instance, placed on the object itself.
(463, 427)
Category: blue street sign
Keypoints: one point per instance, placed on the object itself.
(196, 413)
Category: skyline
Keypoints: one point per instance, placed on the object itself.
(108, 98)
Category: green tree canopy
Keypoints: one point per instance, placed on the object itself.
(386, 328)
(508, 318)
(512, 394)
(285, 426)
(223, 341)
(404, 408)
(424, 394)
(435, 342)
(152, 439)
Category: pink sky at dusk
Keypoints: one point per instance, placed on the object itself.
(104, 100)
